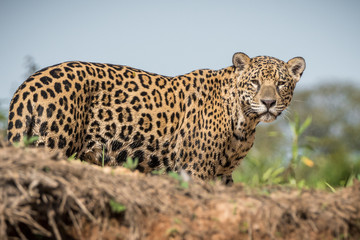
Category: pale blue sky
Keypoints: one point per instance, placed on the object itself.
(176, 37)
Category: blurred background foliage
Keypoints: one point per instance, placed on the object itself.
(324, 154)
(315, 143)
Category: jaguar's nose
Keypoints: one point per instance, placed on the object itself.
(268, 103)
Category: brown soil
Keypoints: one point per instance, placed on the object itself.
(44, 196)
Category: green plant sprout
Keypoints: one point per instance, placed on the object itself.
(297, 129)
(72, 157)
(103, 156)
(159, 172)
(116, 207)
(183, 184)
(27, 141)
(131, 163)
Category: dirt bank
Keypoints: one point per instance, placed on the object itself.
(44, 196)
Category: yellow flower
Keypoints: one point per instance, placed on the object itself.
(308, 162)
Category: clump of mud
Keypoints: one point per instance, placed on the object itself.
(44, 196)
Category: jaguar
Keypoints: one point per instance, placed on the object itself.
(202, 123)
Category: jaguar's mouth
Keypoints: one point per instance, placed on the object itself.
(267, 116)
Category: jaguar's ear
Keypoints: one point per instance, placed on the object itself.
(296, 67)
(240, 60)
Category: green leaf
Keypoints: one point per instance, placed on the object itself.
(305, 125)
(175, 175)
(103, 157)
(72, 157)
(329, 186)
(277, 180)
(278, 171)
(33, 139)
(131, 163)
(116, 207)
(255, 180)
(267, 174)
(159, 172)
(350, 181)
(27, 141)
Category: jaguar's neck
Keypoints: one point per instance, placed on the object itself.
(231, 93)
(222, 84)
(241, 131)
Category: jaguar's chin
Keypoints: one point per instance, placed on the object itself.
(267, 117)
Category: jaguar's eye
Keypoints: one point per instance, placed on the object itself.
(281, 83)
(255, 82)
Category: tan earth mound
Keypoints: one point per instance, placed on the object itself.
(44, 196)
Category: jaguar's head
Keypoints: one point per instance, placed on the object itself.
(266, 84)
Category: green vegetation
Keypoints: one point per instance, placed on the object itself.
(159, 172)
(182, 182)
(116, 207)
(72, 157)
(27, 141)
(103, 156)
(131, 163)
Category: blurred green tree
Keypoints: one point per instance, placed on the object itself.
(30, 65)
